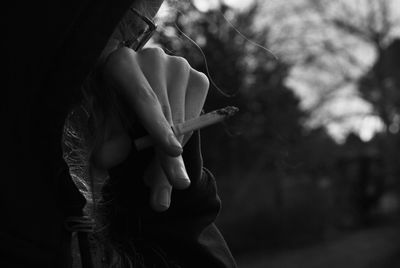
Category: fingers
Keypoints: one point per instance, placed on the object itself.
(196, 94)
(162, 90)
(177, 82)
(175, 170)
(152, 62)
(168, 77)
(123, 72)
(160, 188)
(181, 90)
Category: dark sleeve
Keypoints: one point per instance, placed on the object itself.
(190, 235)
(196, 240)
(183, 236)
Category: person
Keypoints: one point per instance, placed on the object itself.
(50, 52)
(152, 210)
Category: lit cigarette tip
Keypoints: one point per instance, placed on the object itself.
(228, 111)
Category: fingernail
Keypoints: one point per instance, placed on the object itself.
(175, 144)
(181, 178)
(163, 198)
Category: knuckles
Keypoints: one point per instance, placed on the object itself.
(152, 53)
(199, 80)
(179, 66)
(179, 62)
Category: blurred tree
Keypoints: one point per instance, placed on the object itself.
(346, 48)
(270, 144)
(373, 23)
(360, 179)
(381, 86)
(332, 45)
(270, 120)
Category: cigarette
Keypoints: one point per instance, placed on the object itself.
(202, 121)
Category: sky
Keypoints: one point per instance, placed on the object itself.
(356, 113)
(207, 4)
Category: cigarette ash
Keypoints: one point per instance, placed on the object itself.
(228, 111)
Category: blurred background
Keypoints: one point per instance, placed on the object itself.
(309, 170)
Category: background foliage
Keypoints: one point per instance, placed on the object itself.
(285, 181)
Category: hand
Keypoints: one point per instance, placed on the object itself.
(162, 90)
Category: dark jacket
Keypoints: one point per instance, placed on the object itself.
(185, 234)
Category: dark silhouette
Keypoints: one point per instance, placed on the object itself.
(50, 50)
